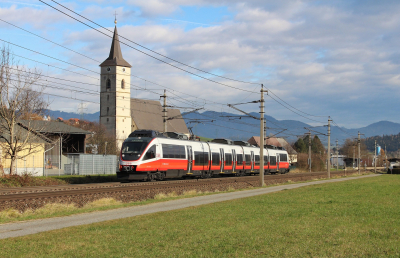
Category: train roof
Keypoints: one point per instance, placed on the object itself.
(224, 141)
(146, 133)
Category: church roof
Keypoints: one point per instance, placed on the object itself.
(115, 58)
(148, 115)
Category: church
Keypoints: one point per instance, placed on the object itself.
(120, 113)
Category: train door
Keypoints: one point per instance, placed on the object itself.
(190, 158)
(252, 160)
(222, 159)
(233, 160)
(277, 162)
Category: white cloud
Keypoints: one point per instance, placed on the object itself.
(333, 51)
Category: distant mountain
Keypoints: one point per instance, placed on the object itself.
(213, 124)
(67, 115)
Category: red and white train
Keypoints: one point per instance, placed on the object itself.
(149, 155)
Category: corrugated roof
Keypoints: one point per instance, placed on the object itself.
(20, 133)
(115, 58)
(148, 115)
(53, 127)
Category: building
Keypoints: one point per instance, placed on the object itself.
(118, 112)
(46, 152)
(31, 157)
(277, 142)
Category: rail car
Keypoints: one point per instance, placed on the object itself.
(150, 155)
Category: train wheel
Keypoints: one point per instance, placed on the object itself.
(160, 176)
(151, 177)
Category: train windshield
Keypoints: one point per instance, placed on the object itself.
(133, 149)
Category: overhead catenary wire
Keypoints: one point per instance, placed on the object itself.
(9, 23)
(155, 52)
(174, 59)
(156, 93)
(192, 67)
(194, 74)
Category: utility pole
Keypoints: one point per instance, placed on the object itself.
(165, 110)
(309, 151)
(337, 156)
(329, 147)
(375, 159)
(359, 152)
(385, 158)
(262, 137)
(354, 155)
(265, 129)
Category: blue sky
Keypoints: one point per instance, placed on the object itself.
(324, 58)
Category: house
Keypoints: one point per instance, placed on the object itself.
(276, 142)
(31, 157)
(59, 139)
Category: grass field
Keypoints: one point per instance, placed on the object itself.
(354, 218)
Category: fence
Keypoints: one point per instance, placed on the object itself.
(90, 164)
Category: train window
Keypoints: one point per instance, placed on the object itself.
(133, 149)
(200, 158)
(240, 159)
(151, 153)
(215, 159)
(248, 159)
(272, 160)
(228, 159)
(257, 160)
(171, 151)
(265, 160)
(283, 157)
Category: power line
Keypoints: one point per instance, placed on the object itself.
(147, 49)
(49, 40)
(153, 50)
(294, 111)
(205, 78)
(48, 56)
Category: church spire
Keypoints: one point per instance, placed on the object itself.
(115, 58)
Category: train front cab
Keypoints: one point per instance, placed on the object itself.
(139, 158)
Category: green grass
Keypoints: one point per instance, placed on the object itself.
(354, 218)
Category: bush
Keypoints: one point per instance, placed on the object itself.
(317, 162)
(28, 180)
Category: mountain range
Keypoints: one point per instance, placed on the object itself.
(213, 124)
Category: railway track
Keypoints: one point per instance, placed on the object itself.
(33, 197)
(111, 185)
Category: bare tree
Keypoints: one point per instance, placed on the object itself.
(20, 104)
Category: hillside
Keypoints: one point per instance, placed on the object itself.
(392, 142)
(213, 124)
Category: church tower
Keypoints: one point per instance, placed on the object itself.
(115, 92)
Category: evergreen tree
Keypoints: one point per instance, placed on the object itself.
(300, 146)
(316, 146)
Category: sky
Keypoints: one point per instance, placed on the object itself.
(316, 58)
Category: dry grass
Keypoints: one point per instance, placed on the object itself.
(48, 209)
(165, 195)
(103, 202)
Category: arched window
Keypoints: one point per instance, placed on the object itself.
(108, 84)
(123, 84)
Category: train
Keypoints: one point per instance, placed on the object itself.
(150, 155)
